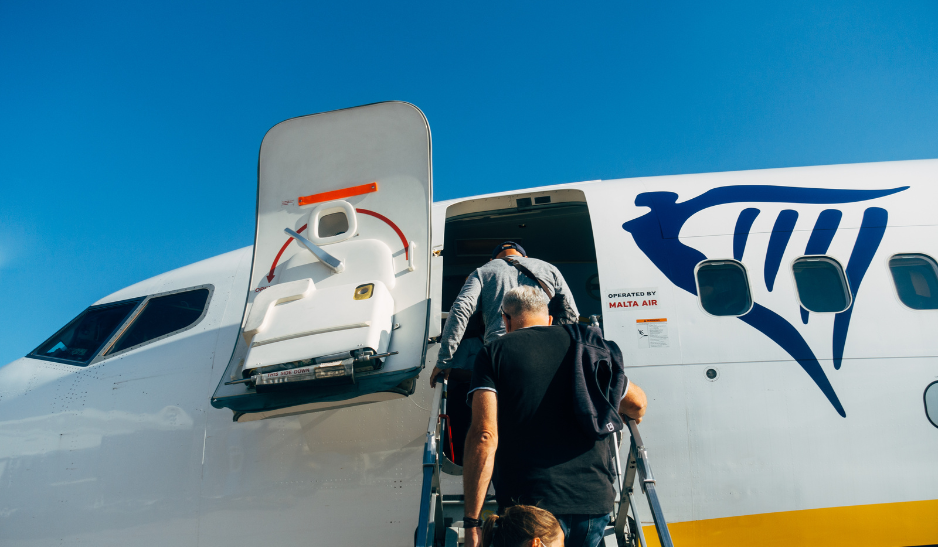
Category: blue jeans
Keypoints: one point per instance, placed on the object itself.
(583, 530)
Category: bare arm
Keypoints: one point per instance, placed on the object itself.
(634, 403)
(479, 457)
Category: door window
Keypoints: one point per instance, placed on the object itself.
(333, 224)
(931, 403)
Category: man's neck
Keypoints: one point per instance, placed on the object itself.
(509, 253)
(524, 322)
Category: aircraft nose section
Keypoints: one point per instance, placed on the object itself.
(25, 375)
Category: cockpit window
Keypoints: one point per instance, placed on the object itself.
(81, 339)
(723, 287)
(916, 278)
(162, 316)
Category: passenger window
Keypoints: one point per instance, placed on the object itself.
(333, 224)
(931, 403)
(83, 337)
(916, 278)
(723, 287)
(162, 316)
(822, 286)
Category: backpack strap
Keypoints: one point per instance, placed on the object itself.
(523, 269)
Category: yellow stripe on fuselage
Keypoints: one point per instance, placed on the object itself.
(887, 524)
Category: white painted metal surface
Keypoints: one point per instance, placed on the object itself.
(372, 165)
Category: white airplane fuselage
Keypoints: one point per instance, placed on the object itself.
(828, 445)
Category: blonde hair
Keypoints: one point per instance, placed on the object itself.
(518, 525)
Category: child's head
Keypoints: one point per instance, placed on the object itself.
(522, 526)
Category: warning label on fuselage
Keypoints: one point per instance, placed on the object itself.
(644, 298)
(652, 333)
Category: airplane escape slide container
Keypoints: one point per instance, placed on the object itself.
(337, 311)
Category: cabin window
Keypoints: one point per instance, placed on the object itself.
(79, 341)
(333, 224)
(822, 286)
(931, 403)
(916, 279)
(723, 287)
(163, 316)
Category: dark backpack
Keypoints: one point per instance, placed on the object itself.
(599, 381)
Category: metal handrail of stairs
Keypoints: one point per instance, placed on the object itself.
(430, 529)
(638, 465)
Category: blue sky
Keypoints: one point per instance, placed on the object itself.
(130, 130)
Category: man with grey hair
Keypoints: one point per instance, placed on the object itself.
(524, 435)
(482, 293)
(523, 302)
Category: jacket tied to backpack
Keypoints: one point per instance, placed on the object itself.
(599, 381)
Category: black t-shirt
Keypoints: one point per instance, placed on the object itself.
(543, 457)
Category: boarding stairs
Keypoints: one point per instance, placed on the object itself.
(439, 523)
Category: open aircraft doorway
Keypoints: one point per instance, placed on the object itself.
(338, 306)
(553, 226)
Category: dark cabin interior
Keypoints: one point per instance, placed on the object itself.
(559, 233)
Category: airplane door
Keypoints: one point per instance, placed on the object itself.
(337, 310)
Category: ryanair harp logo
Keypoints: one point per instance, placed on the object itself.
(656, 234)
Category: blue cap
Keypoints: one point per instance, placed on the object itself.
(508, 245)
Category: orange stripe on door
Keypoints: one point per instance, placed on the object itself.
(339, 194)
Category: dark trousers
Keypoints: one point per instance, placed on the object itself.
(457, 387)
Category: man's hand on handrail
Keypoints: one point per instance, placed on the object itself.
(438, 374)
(634, 403)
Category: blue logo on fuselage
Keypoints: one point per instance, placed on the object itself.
(656, 234)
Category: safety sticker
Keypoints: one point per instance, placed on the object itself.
(644, 298)
(652, 333)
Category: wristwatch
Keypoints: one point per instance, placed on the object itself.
(469, 522)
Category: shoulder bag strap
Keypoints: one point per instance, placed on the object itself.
(547, 288)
